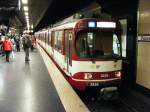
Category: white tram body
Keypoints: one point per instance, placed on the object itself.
(87, 51)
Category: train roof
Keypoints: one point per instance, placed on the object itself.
(70, 22)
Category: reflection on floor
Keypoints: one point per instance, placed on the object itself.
(27, 87)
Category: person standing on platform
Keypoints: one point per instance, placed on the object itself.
(17, 41)
(13, 47)
(27, 44)
(7, 47)
(33, 43)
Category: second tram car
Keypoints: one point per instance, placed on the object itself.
(87, 50)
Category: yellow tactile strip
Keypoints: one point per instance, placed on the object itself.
(69, 99)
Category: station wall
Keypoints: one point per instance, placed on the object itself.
(143, 44)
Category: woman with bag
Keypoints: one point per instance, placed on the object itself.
(7, 47)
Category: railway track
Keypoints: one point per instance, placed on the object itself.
(109, 106)
(98, 105)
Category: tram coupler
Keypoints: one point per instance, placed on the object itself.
(109, 93)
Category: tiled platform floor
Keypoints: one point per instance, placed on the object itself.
(27, 87)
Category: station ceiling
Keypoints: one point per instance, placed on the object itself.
(59, 9)
(45, 12)
(10, 14)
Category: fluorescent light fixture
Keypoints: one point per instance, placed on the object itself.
(91, 24)
(25, 8)
(24, 1)
(19, 4)
(26, 13)
(27, 17)
(106, 24)
(28, 23)
(32, 26)
(28, 26)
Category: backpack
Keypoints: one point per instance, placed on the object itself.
(27, 42)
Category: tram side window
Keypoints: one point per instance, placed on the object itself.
(58, 40)
(49, 36)
(70, 48)
(116, 45)
(45, 37)
(42, 36)
(52, 39)
(81, 45)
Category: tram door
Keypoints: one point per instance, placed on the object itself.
(68, 49)
(128, 52)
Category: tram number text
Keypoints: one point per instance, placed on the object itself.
(94, 84)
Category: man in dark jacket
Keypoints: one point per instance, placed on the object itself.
(17, 41)
(26, 44)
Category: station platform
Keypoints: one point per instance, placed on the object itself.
(38, 86)
(29, 87)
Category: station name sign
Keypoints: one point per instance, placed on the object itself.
(144, 38)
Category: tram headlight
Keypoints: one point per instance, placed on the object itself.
(118, 74)
(87, 75)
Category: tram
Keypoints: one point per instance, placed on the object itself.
(86, 50)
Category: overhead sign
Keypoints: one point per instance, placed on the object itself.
(93, 24)
(106, 24)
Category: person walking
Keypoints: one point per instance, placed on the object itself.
(26, 45)
(17, 41)
(7, 47)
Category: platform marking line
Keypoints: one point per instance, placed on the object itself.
(68, 97)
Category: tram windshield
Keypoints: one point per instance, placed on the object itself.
(97, 44)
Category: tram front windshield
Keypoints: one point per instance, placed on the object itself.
(97, 44)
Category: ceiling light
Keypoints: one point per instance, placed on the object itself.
(26, 13)
(24, 1)
(19, 4)
(32, 26)
(27, 23)
(25, 8)
(27, 20)
(27, 17)
(28, 26)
